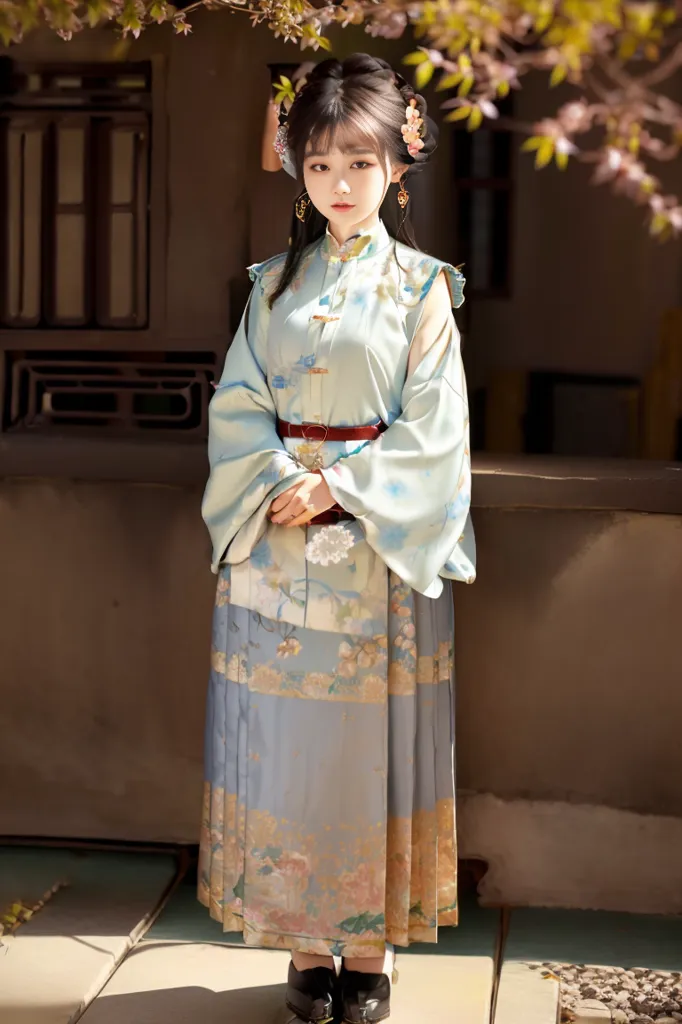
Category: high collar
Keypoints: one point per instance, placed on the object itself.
(365, 243)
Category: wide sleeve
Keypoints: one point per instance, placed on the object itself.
(411, 488)
(249, 465)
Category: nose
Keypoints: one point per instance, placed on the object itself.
(342, 188)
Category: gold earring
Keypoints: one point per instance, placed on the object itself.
(302, 205)
(403, 195)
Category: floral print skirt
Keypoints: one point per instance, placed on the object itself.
(329, 799)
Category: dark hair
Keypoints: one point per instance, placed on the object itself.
(361, 98)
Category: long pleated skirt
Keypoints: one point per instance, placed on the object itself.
(329, 799)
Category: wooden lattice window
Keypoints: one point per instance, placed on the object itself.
(74, 196)
(113, 392)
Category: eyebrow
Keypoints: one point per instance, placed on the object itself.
(353, 151)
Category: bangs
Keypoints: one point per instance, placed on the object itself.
(349, 133)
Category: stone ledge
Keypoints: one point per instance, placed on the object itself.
(503, 482)
(573, 856)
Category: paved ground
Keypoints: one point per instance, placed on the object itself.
(89, 953)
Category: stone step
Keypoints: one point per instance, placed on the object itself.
(57, 961)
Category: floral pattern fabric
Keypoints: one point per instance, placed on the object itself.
(329, 810)
(328, 822)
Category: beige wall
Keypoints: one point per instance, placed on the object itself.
(105, 617)
(567, 658)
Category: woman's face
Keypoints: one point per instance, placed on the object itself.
(348, 186)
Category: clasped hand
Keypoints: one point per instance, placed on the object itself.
(299, 504)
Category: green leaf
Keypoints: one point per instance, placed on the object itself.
(533, 143)
(545, 153)
(465, 87)
(460, 114)
(660, 225)
(418, 57)
(272, 852)
(363, 923)
(561, 160)
(475, 119)
(543, 23)
(559, 73)
(449, 81)
(424, 74)
(284, 90)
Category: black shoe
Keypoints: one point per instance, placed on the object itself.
(365, 998)
(310, 994)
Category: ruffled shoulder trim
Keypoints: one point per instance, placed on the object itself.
(420, 270)
(267, 273)
(455, 279)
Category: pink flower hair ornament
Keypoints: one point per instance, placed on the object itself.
(413, 130)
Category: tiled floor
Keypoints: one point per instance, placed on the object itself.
(59, 960)
(186, 969)
(73, 960)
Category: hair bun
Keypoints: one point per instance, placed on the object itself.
(430, 137)
(329, 68)
(364, 77)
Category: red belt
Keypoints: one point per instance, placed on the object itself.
(332, 515)
(319, 432)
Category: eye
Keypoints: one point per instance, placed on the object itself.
(318, 167)
(361, 164)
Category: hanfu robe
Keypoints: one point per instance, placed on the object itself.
(329, 817)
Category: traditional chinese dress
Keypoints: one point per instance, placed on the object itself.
(328, 821)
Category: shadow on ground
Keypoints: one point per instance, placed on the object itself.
(191, 1005)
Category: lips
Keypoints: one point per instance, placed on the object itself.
(342, 206)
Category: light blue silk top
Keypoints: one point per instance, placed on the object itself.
(347, 344)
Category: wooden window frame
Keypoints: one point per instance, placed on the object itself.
(491, 184)
(153, 335)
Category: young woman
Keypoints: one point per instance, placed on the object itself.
(338, 504)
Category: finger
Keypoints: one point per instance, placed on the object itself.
(304, 517)
(294, 508)
(282, 500)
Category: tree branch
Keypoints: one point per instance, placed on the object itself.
(664, 70)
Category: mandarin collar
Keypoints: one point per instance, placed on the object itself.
(365, 243)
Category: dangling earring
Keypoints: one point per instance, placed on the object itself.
(403, 195)
(302, 205)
